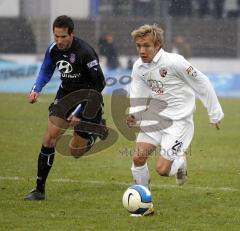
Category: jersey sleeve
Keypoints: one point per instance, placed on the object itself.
(94, 70)
(202, 88)
(45, 73)
(139, 93)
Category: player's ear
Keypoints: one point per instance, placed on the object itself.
(157, 46)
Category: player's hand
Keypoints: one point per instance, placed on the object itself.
(32, 97)
(73, 120)
(131, 121)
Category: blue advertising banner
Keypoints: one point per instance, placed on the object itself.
(226, 85)
(17, 77)
(21, 77)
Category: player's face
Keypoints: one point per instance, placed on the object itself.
(62, 38)
(146, 48)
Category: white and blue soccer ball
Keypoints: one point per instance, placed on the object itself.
(137, 199)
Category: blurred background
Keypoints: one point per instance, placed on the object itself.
(206, 32)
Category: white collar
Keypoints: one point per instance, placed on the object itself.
(158, 55)
(155, 59)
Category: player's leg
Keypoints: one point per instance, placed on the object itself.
(181, 175)
(168, 167)
(177, 167)
(145, 145)
(83, 140)
(45, 160)
(174, 144)
(81, 143)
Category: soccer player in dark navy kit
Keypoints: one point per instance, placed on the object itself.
(81, 74)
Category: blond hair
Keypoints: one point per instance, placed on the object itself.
(155, 31)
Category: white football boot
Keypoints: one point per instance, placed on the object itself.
(181, 176)
(150, 211)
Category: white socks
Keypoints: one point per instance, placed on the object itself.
(141, 175)
(177, 163)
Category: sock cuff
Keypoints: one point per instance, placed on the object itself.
(176, 164)
(47, 151)
(138, 167)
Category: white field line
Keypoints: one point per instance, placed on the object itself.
(160, 186)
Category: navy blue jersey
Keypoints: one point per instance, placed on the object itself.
(78, 65)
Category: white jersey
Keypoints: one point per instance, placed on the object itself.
(172, 82)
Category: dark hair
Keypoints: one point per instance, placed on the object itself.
(64, 21)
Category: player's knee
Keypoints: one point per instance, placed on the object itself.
(162, 170)
(49, 141)
(139, 160)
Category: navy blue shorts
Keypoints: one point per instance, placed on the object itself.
(83, 129)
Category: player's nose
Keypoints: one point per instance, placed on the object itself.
(141, 50)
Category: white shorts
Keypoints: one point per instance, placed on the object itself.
(174, 141)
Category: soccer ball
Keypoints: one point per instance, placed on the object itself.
(137, 199)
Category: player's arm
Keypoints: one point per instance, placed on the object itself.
(139, 94)
(94, 71)
(45, 74)
(203, 89)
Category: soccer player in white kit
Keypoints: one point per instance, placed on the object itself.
(162, 102)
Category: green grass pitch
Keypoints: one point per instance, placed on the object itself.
(85, 194)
